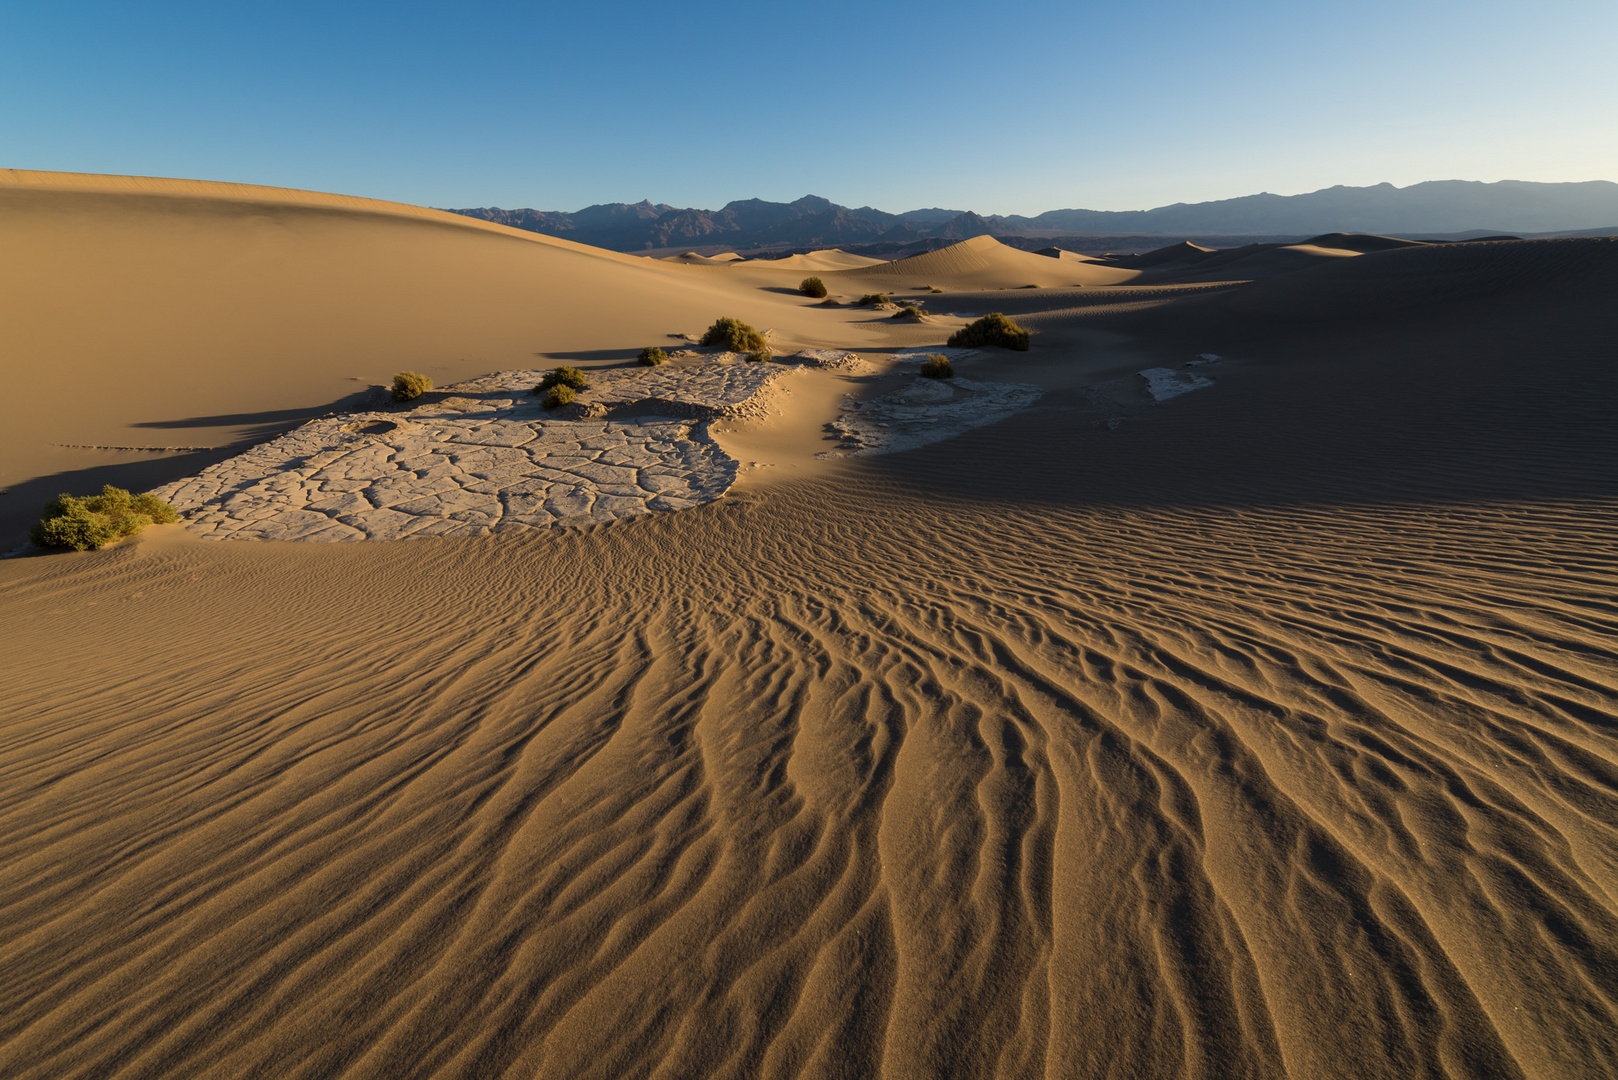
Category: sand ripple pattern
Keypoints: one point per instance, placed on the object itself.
(786, 786)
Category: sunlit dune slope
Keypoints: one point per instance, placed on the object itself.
(145, 312)
(830, 259)
(982, 263)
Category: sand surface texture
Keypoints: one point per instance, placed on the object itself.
(1271, 733)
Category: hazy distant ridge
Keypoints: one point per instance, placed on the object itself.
(1440, 206)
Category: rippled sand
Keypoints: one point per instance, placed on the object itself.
(1273, 733)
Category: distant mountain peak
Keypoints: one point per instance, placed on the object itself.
(1432, 207)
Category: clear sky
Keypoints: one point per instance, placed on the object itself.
(1014, 107)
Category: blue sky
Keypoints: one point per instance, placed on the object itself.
(999, 108)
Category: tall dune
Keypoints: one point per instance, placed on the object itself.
(829, 259)
(140, 312)
(984, 262)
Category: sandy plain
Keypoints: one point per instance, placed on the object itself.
(1264, 731)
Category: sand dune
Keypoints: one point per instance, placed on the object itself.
(1258, 260)
(1184, 253)
(1066, 256)
(1265, 732)
(983, 262)
(1412, 280)
(186, 314)
(830, 259)
(1249, 263)
(691, 258)
(1364, 243)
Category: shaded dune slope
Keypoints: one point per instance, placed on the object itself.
(1258, 738)
(1408, 281)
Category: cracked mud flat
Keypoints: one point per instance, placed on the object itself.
(926, 411)
(1164, 383)
(485, 458)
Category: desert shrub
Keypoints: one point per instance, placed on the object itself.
(992, 329)
(570, 377)
(812, 286)
(408, 386)
(651, 356)
(936, 290)
(758, 356)
(937, 366)
(559, 395)
(830, 303)
(872, 299)
(95, 521)
(909, 312)
(1030, 286)
(733, 334)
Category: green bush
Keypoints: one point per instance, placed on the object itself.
(992, 329)
(651, 356)
(570, 377)
(909, 312)
(559, 395)
(872, 299)
(937, 366)
(758, 356)
(95, 521)
(830, 303)
(408, 386)
(733, 334)
(812, 286)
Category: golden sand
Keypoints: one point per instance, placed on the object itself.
(1270, 732)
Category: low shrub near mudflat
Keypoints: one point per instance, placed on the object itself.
(94, 521)
(408, 386)
(570, 377)
(559, 395)
(733, 334)
(812, 286)
(937, 366)
(759, 356)
(909, 312)
(992, 329)
(873, 299)
(651, 356)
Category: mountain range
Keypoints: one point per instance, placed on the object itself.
(1436, 207)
